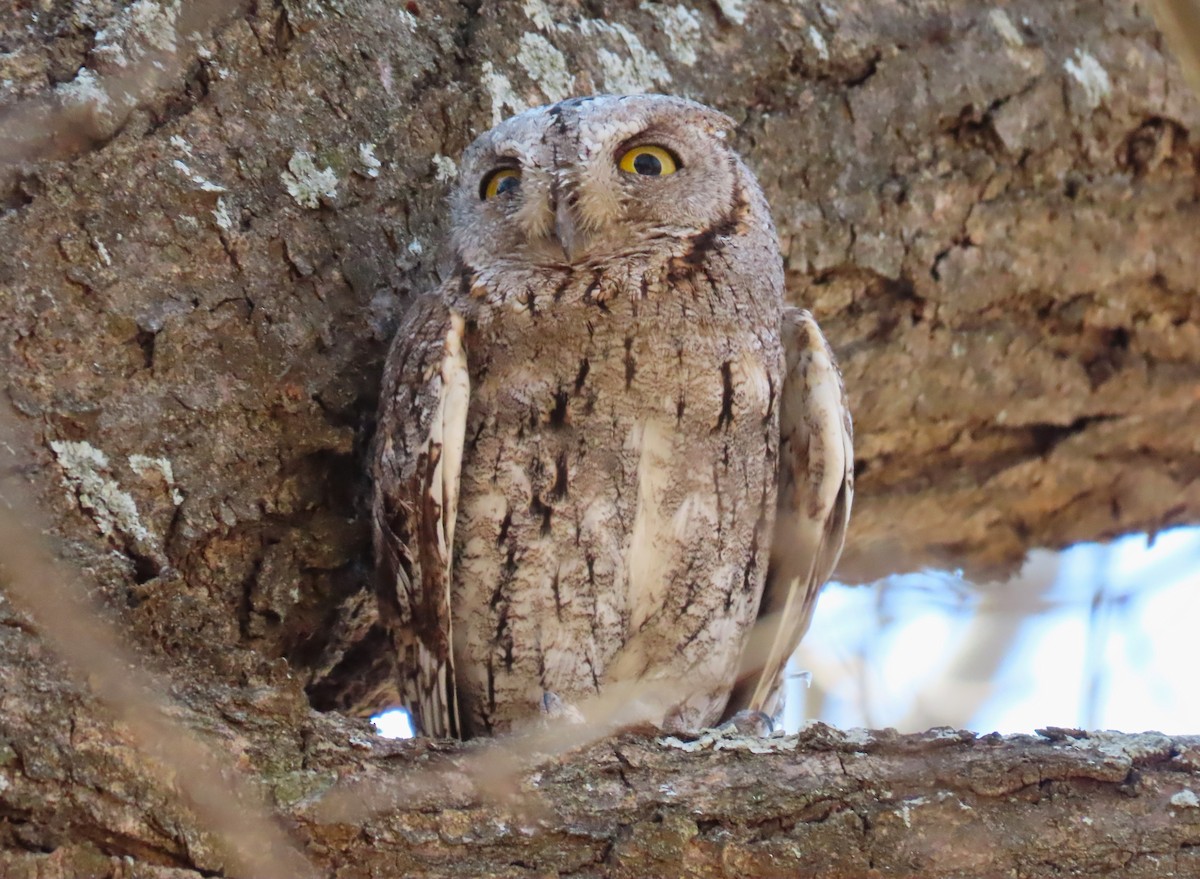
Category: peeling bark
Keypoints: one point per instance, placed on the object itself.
(216, 212)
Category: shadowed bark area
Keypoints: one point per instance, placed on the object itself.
(216, 212)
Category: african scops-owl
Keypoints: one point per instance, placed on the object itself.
(606, 451)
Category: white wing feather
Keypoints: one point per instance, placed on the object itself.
(816, 488)
(417, 469)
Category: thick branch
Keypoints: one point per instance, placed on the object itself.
(826, 803)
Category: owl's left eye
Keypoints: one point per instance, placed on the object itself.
(498, 182)
(648, 161)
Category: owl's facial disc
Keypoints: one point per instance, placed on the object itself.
(593, 179)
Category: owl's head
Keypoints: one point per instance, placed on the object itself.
(594, 178)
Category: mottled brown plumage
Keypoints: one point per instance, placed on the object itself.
(586, 430)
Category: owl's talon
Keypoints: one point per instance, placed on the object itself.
(750, 723)
(555, 708)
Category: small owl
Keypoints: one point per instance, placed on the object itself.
(607, 451)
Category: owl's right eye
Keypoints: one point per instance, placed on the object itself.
(498, 182)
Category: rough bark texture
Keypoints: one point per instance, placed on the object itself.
(826, 803)
(216, 213)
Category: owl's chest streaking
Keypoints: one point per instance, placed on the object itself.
(618, 489)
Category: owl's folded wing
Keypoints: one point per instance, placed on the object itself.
(816, 487)
(417, 461)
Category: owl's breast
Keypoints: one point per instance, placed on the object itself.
(618, 487)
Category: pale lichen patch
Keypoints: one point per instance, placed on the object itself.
(1185, 799)
(638, 70)
(1140, 746)
(681, 26)
(819, 44)
(224, 216)
(1091, 75)
(87, 475)
(144, 465)
(101, 252)
(444, 168)
(734, 10)
(858, 737)
(727, 738)
(85, 89)
(306, 183)
(201, 183)
(1006, 29)
(500, 90)
(368, 162)
(546, 66)
(143, 27)
(906, 808)
(539, 13)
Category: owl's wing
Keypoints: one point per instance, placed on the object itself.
(417, 461)
(816, 487)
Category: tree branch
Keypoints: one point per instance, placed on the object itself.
(837, 804)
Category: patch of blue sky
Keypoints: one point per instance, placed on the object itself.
(1109, 643)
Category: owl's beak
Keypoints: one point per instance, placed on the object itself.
(566, 229)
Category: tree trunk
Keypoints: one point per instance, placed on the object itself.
(216, 212)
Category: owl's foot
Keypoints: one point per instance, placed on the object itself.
(752, 731)
(555, 708)
(749, 723)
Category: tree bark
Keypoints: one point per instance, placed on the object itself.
(215, 213)
(852, 804)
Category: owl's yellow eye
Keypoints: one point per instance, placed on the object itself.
(498, 182)
(648, 161)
